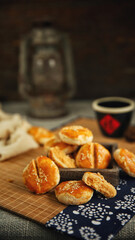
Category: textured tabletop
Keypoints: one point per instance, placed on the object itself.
(15, 227)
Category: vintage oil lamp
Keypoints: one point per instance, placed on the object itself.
(46, 71)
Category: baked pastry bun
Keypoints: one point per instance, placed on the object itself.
(126, 160)
(67, 148)
(40, 134)
(73, 192)
(77, 135)
(97, 182)
(93, 155)
(41, 175)
(60, 158)
(102, 156)
(85, 156)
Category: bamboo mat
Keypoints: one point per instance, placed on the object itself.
(16, 198)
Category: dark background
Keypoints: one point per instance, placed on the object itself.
(102, 35)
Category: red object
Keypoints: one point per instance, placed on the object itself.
(109, 124)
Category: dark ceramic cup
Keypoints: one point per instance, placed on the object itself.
(113, 115)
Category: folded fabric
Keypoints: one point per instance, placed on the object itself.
(19, 142)
(14, 138)
(10, 122)
(100, 218)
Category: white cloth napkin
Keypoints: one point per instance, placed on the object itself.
(14, 138)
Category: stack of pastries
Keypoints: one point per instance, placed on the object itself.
(73, 147)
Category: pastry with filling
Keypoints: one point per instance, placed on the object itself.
(97, 181)
(67, 148)
(61, 159)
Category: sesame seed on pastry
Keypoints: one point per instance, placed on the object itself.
(41, 175)
(93, 155)
(61, 159)
(102, 156)
(97, 182)
(73, 192)
(85, 156)
(126, 160)
(77, 135)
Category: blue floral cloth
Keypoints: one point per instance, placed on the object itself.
(100, 218)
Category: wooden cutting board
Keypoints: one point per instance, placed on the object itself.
(16, 198)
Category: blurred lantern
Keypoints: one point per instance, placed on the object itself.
(46, 72)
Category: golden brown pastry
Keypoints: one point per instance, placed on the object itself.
(85, 156)
(126, 160)
(73, 192)
(61, 159)
(41, 175)
(40, 134)
(67, 148)
(93, 155)
(97, 182)
(76, 135)
(102, 156)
